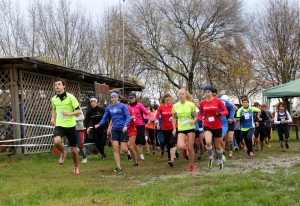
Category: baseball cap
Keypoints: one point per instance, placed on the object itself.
(225, 97)
(132, 95)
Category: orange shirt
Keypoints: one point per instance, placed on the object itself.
(150, 125)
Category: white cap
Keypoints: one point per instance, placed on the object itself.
(225, 97)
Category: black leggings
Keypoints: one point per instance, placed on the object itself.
(238, 136)
(284, 131)
(99, 137)
(248, 139)
(169, 140)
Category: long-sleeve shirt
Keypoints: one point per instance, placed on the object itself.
(139, 110)
(119, 114)
(166, 113)
(230, 109)
(79, 121)
(209, 111)
(94, 116)
(282, 116)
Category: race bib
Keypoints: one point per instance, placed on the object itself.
(185, 121)
(211, 119)
(246, 115)
(61, 114)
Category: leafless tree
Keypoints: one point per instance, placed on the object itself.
(171, 36)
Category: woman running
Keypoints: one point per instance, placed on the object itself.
(282, 119)
(210, 111)
(120, 121)
(139, 123)
(165, 111)
(183, 110)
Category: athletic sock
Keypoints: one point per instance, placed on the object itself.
(231, 145)
(210, 152)
(220, 154)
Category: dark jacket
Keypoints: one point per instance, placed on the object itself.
(94, 116)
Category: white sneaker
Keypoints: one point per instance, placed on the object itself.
(62, 158)
(142, 157)
(84, 160)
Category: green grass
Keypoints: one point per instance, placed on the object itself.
(271, 178)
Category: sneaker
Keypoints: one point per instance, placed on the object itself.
(62, 158)
(251, 154)
(154, 153)
(257, 149)
(221, 165)
(262, 149)
(223, 159)
(136, 164)
(84, 160)
(287, 145)
(103, 158)
(117, 169)
(230, 154)
(171, 164)
(129, 157)
(210, 162)
(147, 152)
(76, 171)
(142, 157)
(192, 168)
(269, 145)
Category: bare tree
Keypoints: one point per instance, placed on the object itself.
(275, 40)
(171, 36)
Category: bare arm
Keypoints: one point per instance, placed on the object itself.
(53, 116)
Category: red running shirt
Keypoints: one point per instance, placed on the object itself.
(209, 110)
(166, 113)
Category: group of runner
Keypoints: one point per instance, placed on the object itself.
(211, 126)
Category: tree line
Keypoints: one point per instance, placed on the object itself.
(167, 44)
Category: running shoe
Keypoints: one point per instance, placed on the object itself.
(154, 153)
(171, 164)
(76, 171)
(230, 154)
(257, 149)
(136, 164)
(221, 165)
(147, 152)
(210, 162)
(84, 160)
(117, 169)
(192, 168)
(62, 158)
(251, 154)
(103, 158)
(142, 157)
(287, 145)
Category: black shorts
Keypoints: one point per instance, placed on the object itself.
(197, 133)
(231, 127)
(119, 136)
(216, 133)
(68, 132)
(150, 133)
(187, 131)
(140, 135)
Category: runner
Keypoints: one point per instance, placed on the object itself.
(94, 116)
(139, 123)
(165, 111)
(186, 124)
(210, 111)
(80, 130)
(64, 109)
(131, 134)
(268, 124)
(150, 130)
(245, 116)
(260, 129)
(119, 114)
(282, 119)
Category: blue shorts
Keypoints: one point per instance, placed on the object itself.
(224, 130)
(119, 135)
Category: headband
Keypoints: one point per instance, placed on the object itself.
(114, 94)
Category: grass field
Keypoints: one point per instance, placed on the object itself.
(271, 178)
